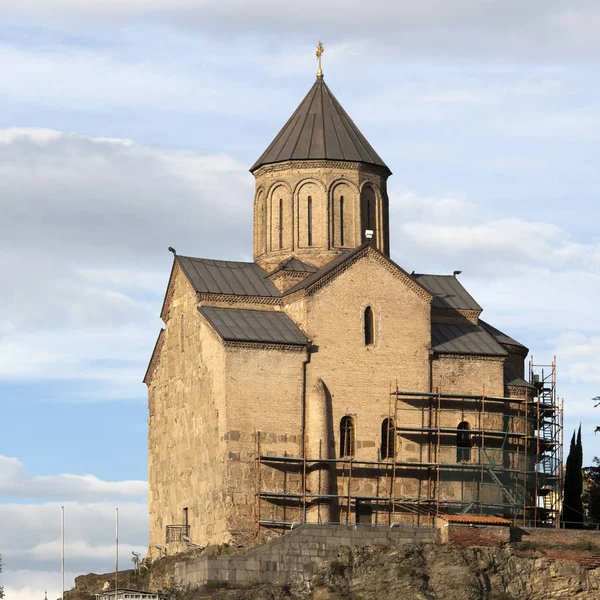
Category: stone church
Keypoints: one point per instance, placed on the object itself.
(324, 382)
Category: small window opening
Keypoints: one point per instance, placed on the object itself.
(369, 223)
(368, 318)
(341, 220)
(346, 437)
(280, 223)
(388, 439)
(309, 219)
(463, 443)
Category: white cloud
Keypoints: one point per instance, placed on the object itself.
(31, 546)
(549, 26)
(15, 482)
(31, 527)
(581, 353)
(448, 230)
(31, 585)
(83, 241)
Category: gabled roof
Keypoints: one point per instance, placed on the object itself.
(320, 129)
(294, 265)
(464, 339)
(262, 326)
(338, 261)
(447, 292)
(227, 277)
(501, 337)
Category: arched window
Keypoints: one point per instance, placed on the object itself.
(262, 243)
(280, 223)
(367, 212)
(368, 318)
(309, 220)
(463, 443)
(341, 220)
(388, 439)
(346, 437)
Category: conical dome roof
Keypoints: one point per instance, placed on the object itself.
(320, 129)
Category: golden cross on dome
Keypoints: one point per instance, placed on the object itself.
(319, 53)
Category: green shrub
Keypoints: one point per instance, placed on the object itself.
(337, 568)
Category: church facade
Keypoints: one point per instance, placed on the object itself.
(323, 382)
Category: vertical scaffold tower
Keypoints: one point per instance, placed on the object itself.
(546, 418)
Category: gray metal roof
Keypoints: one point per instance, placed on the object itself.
(319, 129)
(447, 292)
(227, 277)
(295, 265)
(243, 325)
(510, 378)
(464, 339)
(501, 337)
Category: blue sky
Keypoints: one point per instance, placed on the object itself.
(129, 126)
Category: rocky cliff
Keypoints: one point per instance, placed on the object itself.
(418, 572)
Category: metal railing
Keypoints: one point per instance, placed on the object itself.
(174, 533)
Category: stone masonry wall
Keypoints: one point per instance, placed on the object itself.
(562, 537)
(187, 455)
(264, 391)
(296, 555)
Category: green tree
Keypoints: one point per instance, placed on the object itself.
(572, 513)
(591, 496)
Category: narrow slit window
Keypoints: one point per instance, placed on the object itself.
(346, 437)
(463, 443)
(280, 223)
(388, 439)
(309, 220)
(368, 319)
(341, 220)
(369, 224)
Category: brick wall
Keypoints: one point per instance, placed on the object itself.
(474, 535)
(325, 183)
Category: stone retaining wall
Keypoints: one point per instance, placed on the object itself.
(296, 555)
(562, 537)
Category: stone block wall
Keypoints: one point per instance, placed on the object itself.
(296, 555)
(559, 537)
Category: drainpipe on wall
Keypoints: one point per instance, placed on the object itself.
(309, 351)
(431, 354)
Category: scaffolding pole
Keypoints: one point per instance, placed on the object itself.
(527, 451)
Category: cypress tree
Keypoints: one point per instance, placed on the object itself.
(572, 513)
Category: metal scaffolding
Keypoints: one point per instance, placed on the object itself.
(511, 465)
(547, 418)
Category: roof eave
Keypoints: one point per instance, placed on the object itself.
(257, 165)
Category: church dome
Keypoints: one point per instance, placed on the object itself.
(320, 129)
